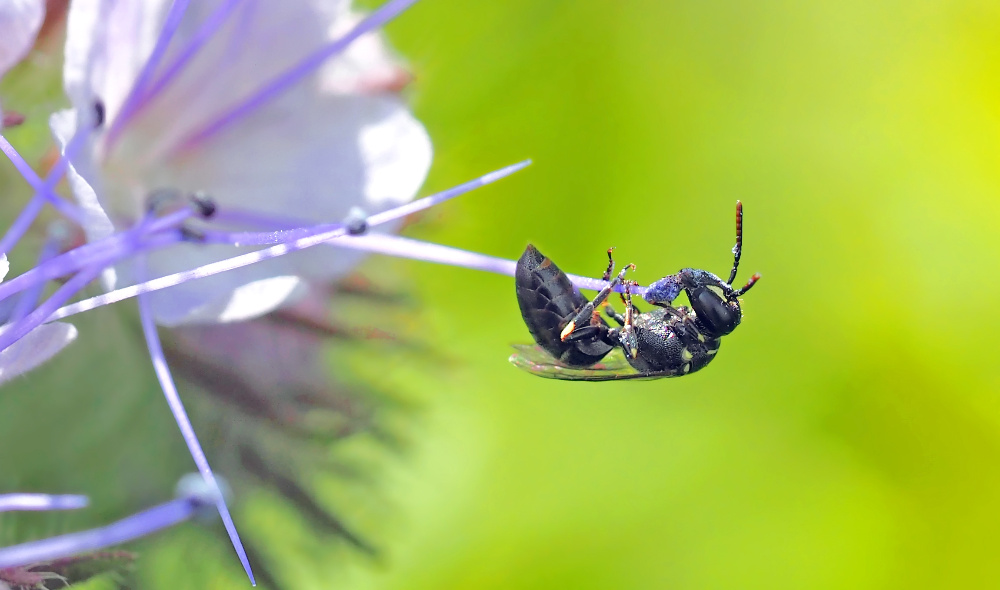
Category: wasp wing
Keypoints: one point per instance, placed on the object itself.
(613, 367)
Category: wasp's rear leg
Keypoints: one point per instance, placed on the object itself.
(587, 316)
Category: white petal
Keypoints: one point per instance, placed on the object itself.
(366, 66)
(35, 348)
(332, 153)
(106, 45)
(19, 23)
(243, 303)
(396, 152)
(83, 177)
(259, 40)
(4, 266)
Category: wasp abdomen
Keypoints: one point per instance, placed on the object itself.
(548, 300)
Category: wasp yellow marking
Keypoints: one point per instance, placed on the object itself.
(567, 330)
(686, 355)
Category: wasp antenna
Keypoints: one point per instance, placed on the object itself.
(738, 248)
(753, 281)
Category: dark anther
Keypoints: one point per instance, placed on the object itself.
(204, 204)
(191, 235)
(200, 503)
(356, 221)
(160, 199)
(98, 113)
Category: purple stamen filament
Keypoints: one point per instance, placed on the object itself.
(184, 423)
(88, 262)
(204, 34)
(43, 190)
(127, 529)
(30, 296)
(280, 249)
(418, 250)
(283, 82)
(41, 502)
(170, 25)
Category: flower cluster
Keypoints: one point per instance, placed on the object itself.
(206, 144)
(209, 148)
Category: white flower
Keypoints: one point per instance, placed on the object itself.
(19, 23)
(338, 138)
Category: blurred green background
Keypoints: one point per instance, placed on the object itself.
(847, 436)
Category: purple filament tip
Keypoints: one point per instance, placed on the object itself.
(9, 502)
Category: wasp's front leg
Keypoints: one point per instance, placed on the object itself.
(626, 335)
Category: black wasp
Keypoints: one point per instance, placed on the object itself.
(574, 341)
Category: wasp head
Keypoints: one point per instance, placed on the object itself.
(716, 304)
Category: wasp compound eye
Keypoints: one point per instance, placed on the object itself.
(717, 314)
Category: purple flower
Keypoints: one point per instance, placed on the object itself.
(287, 116)
(229, 98)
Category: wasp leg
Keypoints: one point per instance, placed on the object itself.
(684, 327)
(670, 309)
(611, 266)
(635, 309)
(610, 311)
(584, 333)
(615, 315)
(599, 332)
(627, 336)
(586, 316)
